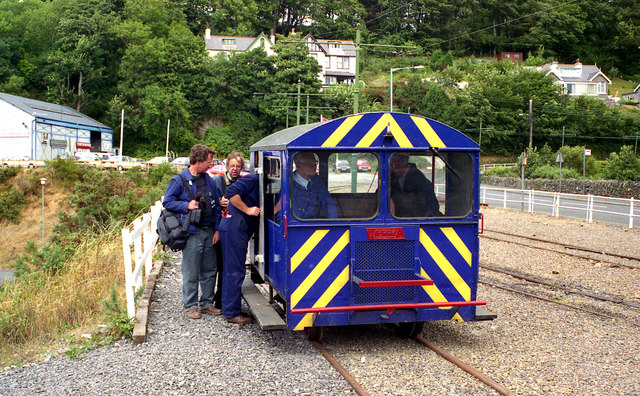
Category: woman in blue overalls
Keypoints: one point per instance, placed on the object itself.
(235, 231)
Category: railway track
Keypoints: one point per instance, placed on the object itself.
(582, 292)
(360, 390)
(620, 260)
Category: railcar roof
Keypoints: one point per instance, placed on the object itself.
(368, 130)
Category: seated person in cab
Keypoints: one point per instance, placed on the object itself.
(411, 193)
(310, 198)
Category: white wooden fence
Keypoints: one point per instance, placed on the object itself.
(138, 245)
(585, 207)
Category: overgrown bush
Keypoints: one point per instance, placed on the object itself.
(503, 171)
(623, 165)
(50, 260)
(66, 171)
(11, 203)
(553, 172)
(161, 174)
(7, 174)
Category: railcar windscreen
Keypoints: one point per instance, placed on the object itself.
(430, 184)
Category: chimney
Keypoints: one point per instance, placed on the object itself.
(578, 65)
(272, 36)
(207, 33)
(554, 65)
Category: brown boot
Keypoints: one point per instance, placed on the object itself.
(240, 319)
(211, 310)
(193, 314)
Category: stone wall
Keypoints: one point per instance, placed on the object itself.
(605, 188)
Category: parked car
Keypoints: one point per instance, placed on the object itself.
(120, 158)
(216, 170)
(159, 160)
(181, 161)
(87, 157)
(341, 166)
(363, 165)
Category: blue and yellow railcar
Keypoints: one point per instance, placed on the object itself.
(389, 231)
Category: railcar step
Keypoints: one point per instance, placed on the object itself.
(266, 316)
(483, 314)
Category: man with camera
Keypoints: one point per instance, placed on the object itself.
(193, 195)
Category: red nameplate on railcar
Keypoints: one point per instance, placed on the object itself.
(385, 233)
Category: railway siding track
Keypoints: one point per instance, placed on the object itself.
(613, 259)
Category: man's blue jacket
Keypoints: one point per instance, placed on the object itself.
(177, 198)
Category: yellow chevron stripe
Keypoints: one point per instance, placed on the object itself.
(446, 267)
(437, 296)
(454, 238)
(325, 298)
(307, 321)
(428, 132)
(311, 279)
(433, 291)
(306, 248)
(385, 120)
(341, 131)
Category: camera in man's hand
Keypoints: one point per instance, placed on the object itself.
(195, 215)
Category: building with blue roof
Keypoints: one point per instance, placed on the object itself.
(42, 131)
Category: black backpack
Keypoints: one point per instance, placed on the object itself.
(172, 232)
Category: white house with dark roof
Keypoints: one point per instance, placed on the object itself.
(229, 44)
(578, 79)
(632, 96)
(337, 58)
(42, 131)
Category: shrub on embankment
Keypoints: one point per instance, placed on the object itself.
(63, 286)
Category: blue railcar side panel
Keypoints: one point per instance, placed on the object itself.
(319, 270)
(276, 264)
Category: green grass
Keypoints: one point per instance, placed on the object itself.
(622, 86)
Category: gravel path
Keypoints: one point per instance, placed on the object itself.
(533, 347)
(186, 357)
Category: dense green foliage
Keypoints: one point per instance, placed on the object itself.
(148, 58)
(624, 165)
(542, 164)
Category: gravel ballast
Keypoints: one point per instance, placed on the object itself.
(532, 348)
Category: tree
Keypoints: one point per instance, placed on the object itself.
(623, 165)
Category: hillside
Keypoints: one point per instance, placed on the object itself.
(14, 237)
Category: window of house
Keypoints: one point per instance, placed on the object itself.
(343, 62)
(228, 41)
(571, 89)
(602, 87)
(327, 62)
(592, 89)
(330, 80)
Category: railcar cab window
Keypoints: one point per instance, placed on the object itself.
(326, 186)
(430, 184)
(272, 204)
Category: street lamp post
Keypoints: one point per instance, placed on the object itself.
(391, 82)
(43, 181)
